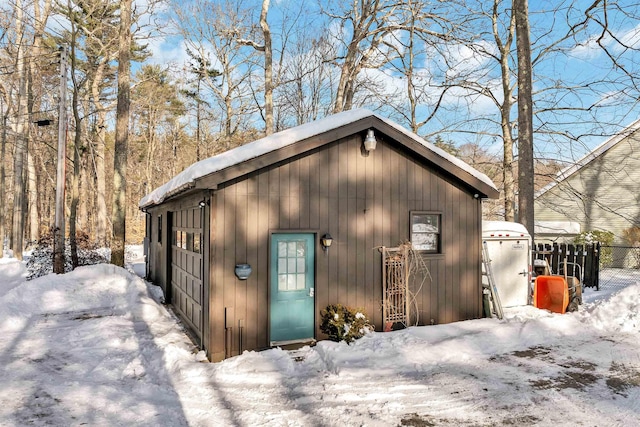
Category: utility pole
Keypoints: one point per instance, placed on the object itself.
(58, 231)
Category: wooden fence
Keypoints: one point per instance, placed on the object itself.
(582, 261)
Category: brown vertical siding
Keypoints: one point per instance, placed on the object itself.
(228, 242)
(216, 274)
(363, 202)
(252, 255)
(241, 242)
(262, 309)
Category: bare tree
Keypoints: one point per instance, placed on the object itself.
(201, 69)
(268, 68)
(365, 24)
(504, 50)
(41, 12)
(78, 150)
(99, 29)
(304, 94)
(421, 89)
(155, 103)
(266, 48)
(218, 43)
(364, 28)
(502, 34)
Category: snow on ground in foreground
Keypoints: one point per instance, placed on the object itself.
(94, 347)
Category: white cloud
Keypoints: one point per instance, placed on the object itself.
(587, 50)
(166, 50)
(468, 61)
(629, 38)
(621, 40)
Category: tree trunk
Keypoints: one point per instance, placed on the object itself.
(101, 234)
(58, 230)
(85, 199)
(101, 183)
(268, 69)
(75, 179)
(41, 11)
(198, 120)
(77, 149)
(3, 202)
(34, 217)
(118, 212)
(508, 180)
(507, 171)
(75, 196)
(21, 140)
(525, 116)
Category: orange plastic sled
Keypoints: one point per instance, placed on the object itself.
(551, 293)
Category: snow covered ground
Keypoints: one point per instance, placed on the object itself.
(94, 347)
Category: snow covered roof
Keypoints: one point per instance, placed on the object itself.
(557, 227)
(589, 157)
(489, 228)
(187, 178)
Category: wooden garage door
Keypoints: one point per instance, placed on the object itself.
(187, 268)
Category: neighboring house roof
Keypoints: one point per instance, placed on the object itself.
(209, 172)
(557, 228)
(589, 157)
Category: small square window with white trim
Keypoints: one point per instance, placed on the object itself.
(426, 230)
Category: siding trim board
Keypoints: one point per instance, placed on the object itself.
(325, 186)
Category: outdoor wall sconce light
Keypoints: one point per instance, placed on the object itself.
(370, 141)
(326, 241)
(202, 203)
(243, 271)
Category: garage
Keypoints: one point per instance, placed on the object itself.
(187, 269)
(300, 212)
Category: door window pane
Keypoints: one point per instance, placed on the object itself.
(282, 282)
(189, 245)
(291, 282)
(300, 284)
(291, 249)
(196, 243)
(291, 265)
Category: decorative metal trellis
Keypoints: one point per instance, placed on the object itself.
(399, 304)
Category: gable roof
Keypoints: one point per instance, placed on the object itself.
(210, 172)
(589, 157)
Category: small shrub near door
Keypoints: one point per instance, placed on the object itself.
(344, 323)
